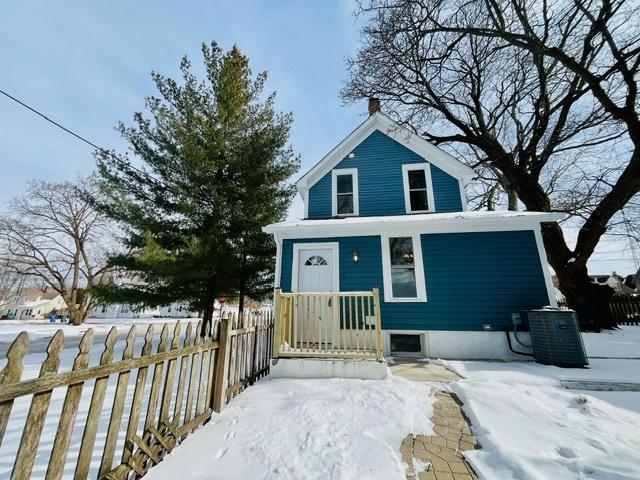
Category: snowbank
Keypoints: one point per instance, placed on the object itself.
(311, 429)
(531, 428)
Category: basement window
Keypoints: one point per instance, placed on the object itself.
(403, 343)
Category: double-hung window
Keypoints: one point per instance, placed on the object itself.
(418, 192)
(344, 189)
(403, 270)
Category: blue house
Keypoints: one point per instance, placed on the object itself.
(386, 210)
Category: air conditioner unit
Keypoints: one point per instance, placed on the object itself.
(556, 337)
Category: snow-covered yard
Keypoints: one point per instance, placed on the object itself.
(528, 424)
(530, 427)
(306, 429)
(43, 329)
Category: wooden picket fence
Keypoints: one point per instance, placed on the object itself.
(625, 309)
(190, 377)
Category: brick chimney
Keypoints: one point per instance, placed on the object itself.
(374, 105)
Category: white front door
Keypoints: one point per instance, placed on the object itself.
(317, 272)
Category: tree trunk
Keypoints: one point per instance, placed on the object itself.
(588, 299)
(75, 316)
(513, 200)
(209, 306)
(207, 316)
(241, 290)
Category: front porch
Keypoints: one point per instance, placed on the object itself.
(328, 325)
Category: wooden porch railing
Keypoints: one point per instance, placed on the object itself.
(328, 325)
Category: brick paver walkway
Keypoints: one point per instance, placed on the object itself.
(442, 452)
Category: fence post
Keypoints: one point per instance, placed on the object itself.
(376, 300)
(257, 324)
(277, 335)
(222, 365)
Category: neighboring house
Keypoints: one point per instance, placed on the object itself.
(387, 209)
(123, 310)
(614, 281)
(33, 304)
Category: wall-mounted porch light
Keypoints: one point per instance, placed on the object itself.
(356, 256)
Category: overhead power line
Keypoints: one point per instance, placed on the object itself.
(104, 151)
(79, 137)
(83, 139)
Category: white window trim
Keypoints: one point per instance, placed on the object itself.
(421, 288)
(334, 191)
(295, 267)
(405, 183)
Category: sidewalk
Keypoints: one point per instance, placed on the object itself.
(439, 456)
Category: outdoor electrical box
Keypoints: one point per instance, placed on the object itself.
(556, 338)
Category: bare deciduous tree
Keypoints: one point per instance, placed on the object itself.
(544, 114)
(9, 283)
(53, 235)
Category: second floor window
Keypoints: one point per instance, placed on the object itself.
(418, 194)
(345, 192)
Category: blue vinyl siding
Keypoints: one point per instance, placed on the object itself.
(471, 278)
(379, 160)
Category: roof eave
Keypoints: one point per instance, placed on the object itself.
(530, 220)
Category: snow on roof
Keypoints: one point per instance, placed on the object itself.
(36, 303)
(469, 218)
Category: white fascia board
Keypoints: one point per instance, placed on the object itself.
(402, 135)
(338, 153)
(409, 224)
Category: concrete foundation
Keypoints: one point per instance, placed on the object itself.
(328, 368)
(463, 345)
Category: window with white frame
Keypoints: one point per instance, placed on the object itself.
(344, 189)
(418, 191)
(403, 270)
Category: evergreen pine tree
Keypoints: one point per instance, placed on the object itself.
(215, 163)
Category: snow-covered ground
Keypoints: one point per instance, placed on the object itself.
(38, 329)
(530, 427)
(621, 343)
(41, 331)
(306, 429)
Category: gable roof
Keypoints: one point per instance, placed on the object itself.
(404, 136)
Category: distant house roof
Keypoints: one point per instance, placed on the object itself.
(36, 303)
(31, 294)
(614, 281)
(404, 136)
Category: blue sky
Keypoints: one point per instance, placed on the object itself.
(88, 64)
